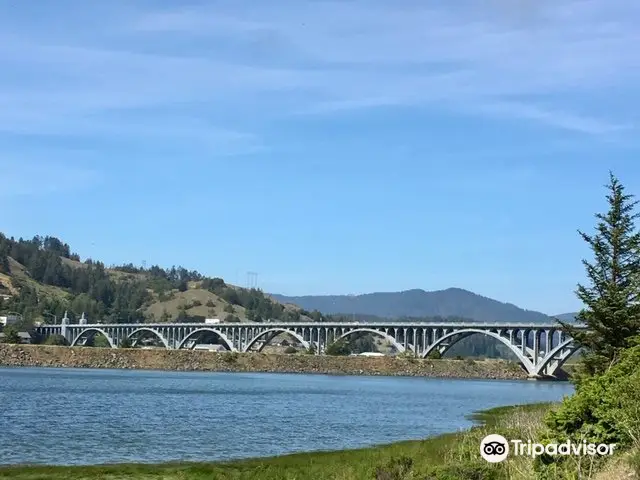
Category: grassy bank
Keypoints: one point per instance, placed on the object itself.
(451, 456)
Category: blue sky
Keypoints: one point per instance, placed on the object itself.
(332, 147)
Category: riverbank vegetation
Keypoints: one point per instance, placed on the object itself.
(450, 456)
(606, 405)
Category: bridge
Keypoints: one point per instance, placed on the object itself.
(540, 348)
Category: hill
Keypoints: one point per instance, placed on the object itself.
(452, 302)
(566, 317)
(41, 279)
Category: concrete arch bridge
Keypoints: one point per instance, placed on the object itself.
(540, 348)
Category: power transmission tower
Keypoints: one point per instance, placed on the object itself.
(252, 280)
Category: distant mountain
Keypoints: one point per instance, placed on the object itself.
(452, 302)
(566, 317)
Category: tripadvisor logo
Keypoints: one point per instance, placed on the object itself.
(495, 448)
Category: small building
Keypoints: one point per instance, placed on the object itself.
(8, 319)
(210, 347)
(211, 321)
(372, 354)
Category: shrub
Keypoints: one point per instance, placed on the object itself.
(466, 471)
(229, 308)
(605, 408)
(99, 341)
(290, 350)
(11, 335)
(341, 347)
(55, 340)
(210, 303)
(396, 469)
(434, 355)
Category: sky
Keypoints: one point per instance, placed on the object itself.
(339, 147)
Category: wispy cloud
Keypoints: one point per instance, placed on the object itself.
(535, 62)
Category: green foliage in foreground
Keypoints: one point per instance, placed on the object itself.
(605, 408)
(610, 299)
(446, 457)
(606, 405)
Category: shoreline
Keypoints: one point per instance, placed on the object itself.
(201, 361)
(429, 453)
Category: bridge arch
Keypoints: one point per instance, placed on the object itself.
(161, 337)
(565, 350)
(228, 343)
(277, 331)
(379, 333)
(458, 335)
(95, 330)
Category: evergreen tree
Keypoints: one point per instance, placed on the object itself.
(611, 310)
(11, 335)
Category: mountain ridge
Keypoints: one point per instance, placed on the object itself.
(449, 302)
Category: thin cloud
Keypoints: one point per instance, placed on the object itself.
(529, 63)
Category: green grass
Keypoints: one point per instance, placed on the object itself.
(451, 456)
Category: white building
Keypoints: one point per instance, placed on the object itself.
(210, 347)
(8, 320)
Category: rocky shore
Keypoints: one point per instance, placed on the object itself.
(188, 360)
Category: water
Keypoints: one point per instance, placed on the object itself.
(80, 416)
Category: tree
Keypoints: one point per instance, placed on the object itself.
(165, 317)
(11, 335)
(339, 347)
(126, 343)
(611, 300)
(98, 340)
(55, 340)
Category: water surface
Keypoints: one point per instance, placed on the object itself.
(86, 416)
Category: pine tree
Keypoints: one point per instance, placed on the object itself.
(11, 334)
(611, 300)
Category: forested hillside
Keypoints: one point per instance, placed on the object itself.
(452, 302)
(41, 279)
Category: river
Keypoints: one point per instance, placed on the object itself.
(85, 416)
